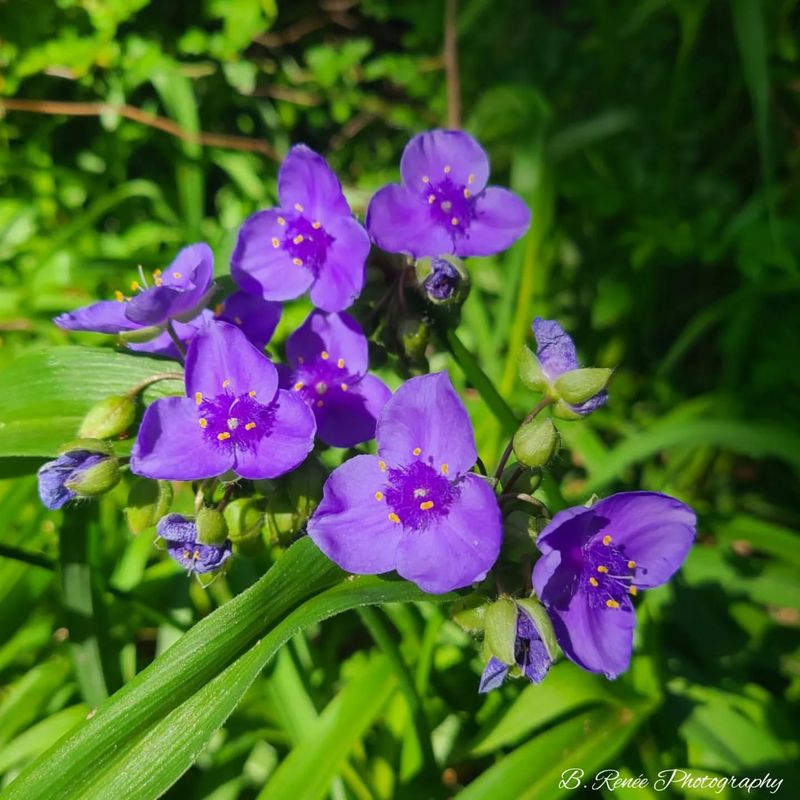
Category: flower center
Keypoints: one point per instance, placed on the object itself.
(230, 420)
(306, 242)
(608, 575)
(451, 204)
(171, 278)
(417, 494)
(320, 377)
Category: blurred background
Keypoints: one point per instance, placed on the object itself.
(657, 144)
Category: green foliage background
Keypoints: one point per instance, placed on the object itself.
(656, 142)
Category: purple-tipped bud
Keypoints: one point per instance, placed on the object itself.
(79, 472)
(182, 538)
(444, 279)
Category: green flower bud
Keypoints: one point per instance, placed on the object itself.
(500, 629)
(244, 519)
(90, 445)
(97, 479)
(443, 280)
(109, 417)
(535, 442)
(579, 385)
(530, 370)
(148, 501)
(211, 527)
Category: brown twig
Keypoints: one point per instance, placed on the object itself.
(451, 64)
(74, 109)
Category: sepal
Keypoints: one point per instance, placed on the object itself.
(109, 417)
(530, 370)
(579, 385)
(211, 527)
(94, 480)
(500, 629)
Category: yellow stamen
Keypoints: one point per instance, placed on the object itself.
(226, 383)
(601, 569)
(249, 426)
(298, 386)
(324, 355)
(416, 451)
(251, 393)
(343, 387)
(195, 555)
(223, 436)
(157, 281)
(471, 178)
(594, 581)
(134, 286)
(298, 239)
(218, 309)
(426, 179)
(633, 590)
(156, 273)
(203, 423)
(606, 540)
(454, 221)
(379, 496)
(298, 207)
(444, 469)
(177, 275)
(198, 397)
(119, 297)
(631, 564)
(612, 603)
(275, 242)
(431, 199)
(447, 169)
(466, 193)
(281, 221)
(382, 466)
(297, 262)
(393, 517)
(426, 506)
(316, 225)
(340, 363)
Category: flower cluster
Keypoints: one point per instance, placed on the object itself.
(419, 503)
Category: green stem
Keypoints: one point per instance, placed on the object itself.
(161, 376)
(176, 340)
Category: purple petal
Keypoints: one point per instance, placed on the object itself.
(554, 348)
(163, 345)
(222, 353)
(592, 404)
(457, 549)
(652, 529)
(425, 413)
(52, 475)
(107, 316)
(339, 335)
(350, 525)
(493, 675)
(538, 663)
(501, 217)
(170, 444)
(597, 639)
(289, 441)
(558, 534)
(176, 528)
(257, 318)
(400, 221)
(259, 267)
(348, 418)
(341, 277)
(200, 558)
(306, 178)
(184, 287)
(428, 154)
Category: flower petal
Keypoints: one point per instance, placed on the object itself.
(493, 675)
(176, 528)
(399, 221)
(306, 178)
(259, 267)
(350, 525)
(652, 529)
(107, 316)
(501, 217)
(348, 418)
(222, 353)
(457, 549)
(428, 154)
(52, 475)
(339, 335)
(425, 413)
(170, 444)
(289, 441)
(256, 317)
(341, 277)
(200, 558)
(558, 533)
(596, 639)
(554, 348)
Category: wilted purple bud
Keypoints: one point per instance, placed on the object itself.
(181, 536)
(82, 471)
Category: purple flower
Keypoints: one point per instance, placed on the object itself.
(234, 417)
(311, 241)
(180, 535)
(256, 317)
(595, 559)
(59, 479)
(530, 655)
(556, 354)
(414, 507)
(177, 293)
(328, 356)
(443, 204)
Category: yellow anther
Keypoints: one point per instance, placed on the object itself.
(602, 569)
(281, 221)
(447, 169)
(454, 221)
(298, 239)
(466, 193)
(177, 275)
(340, 363)
(251, 393)
(196, 555)
(223, 436)
(394, 518)
(426, 179)
(119, 297)
(431, 199)
(471, 178)
(187, 553)
(156, 273)
(416, 451)
(379, 496)
(343, 387)
(198, 397)
(631, 564)
(218, 309)
(297, 262)
(633, 590)
(324, 355)
(298, 386)
(606, 540)
(226, 383)
(249, 426)
(275, 241)
(298, 207)
(316, 225)
(444, 469)
(320, 403)
(426, 506)
(612, 603)
(157, 281)
(134, 286)
(594, 581)
(203, 423)
(382, 466)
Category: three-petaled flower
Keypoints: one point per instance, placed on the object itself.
(181, 537)
(234, 416)
(596, 559)
(328, 357)
(311, 241)
(443, 204)
(177, 292)
(414, 507)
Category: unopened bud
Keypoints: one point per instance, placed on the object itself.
(211, 527)
(148, 502)
(95, 478)
(443, 279)
(244, 519)
(535, 442)
(109, 417)
(579, 385)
